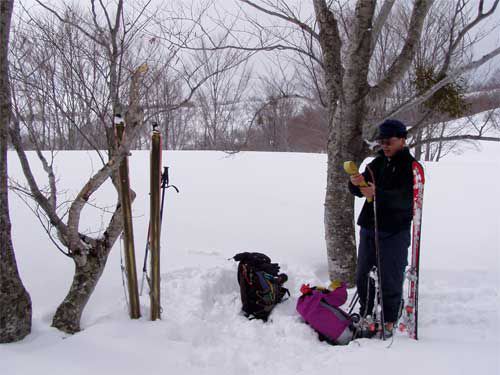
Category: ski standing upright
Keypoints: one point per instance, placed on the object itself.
(409, 321)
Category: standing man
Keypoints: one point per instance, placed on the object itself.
(389, 177)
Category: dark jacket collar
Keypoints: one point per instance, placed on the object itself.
(402, 154)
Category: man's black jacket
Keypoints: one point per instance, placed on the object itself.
(394, 192)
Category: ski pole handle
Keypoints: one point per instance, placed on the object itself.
(352, 169)
(164, 178)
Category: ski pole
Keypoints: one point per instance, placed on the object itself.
(353, 303)
(377, 252)
(164, 186)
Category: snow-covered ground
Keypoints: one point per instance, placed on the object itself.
(272, 203)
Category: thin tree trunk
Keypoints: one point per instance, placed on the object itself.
(428, 146)
(418, 148)
(440, 144)
(15, 302)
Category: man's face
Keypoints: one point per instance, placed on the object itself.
(392, 145)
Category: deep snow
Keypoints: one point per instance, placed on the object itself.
(272, 203)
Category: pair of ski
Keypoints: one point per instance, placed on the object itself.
(409, 318)
(158, 182)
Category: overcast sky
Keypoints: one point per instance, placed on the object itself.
(305, 9)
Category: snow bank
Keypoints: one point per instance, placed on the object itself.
(273, 203)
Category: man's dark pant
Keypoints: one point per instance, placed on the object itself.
(393, 261)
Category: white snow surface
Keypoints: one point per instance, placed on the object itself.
(271, 203)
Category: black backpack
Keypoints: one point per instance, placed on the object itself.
(261, 284)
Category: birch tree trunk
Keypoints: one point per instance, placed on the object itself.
(15, 302)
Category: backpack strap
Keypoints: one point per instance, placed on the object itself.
(265, 284)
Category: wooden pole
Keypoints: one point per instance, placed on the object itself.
(155, 226)
(128, 230)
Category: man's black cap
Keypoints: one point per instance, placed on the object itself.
(392, 128)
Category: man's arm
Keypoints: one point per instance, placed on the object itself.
(355, 190)
(356, 187)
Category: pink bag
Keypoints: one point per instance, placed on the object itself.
(320, 308)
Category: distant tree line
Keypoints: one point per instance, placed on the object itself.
(60, 80)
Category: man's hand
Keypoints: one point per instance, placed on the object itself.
(368, 191)
(357, 179)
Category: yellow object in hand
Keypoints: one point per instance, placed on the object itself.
(352, 169)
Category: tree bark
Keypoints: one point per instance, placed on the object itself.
(339, 214)
(15, 302)
(87, 274)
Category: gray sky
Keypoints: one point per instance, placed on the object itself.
(305, 9)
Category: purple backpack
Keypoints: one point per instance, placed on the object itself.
(320, 308)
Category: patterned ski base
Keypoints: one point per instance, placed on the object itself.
(409, 320)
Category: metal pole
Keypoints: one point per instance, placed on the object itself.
(377, 254)
(155, 227)
(128, 230)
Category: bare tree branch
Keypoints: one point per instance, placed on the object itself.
(62, 20)
(382, 17)
(94, 183)
(463, 137)
(46, 224)
(400, 66)
(40, 198)
(454, 43)
(289, 18)
(331, 45)
(449, 78)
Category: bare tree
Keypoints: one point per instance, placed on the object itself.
(94, 58)
(15, 302)
(177, 122)
(59, 86)
(441, 42)
(347, 42)
(309, 129)
(273, 122)
(88, 253)
(220, 99)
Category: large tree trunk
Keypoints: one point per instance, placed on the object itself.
(345, 143)
(87, 274)
(15, 302)
(347, 105)
(339, 223)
